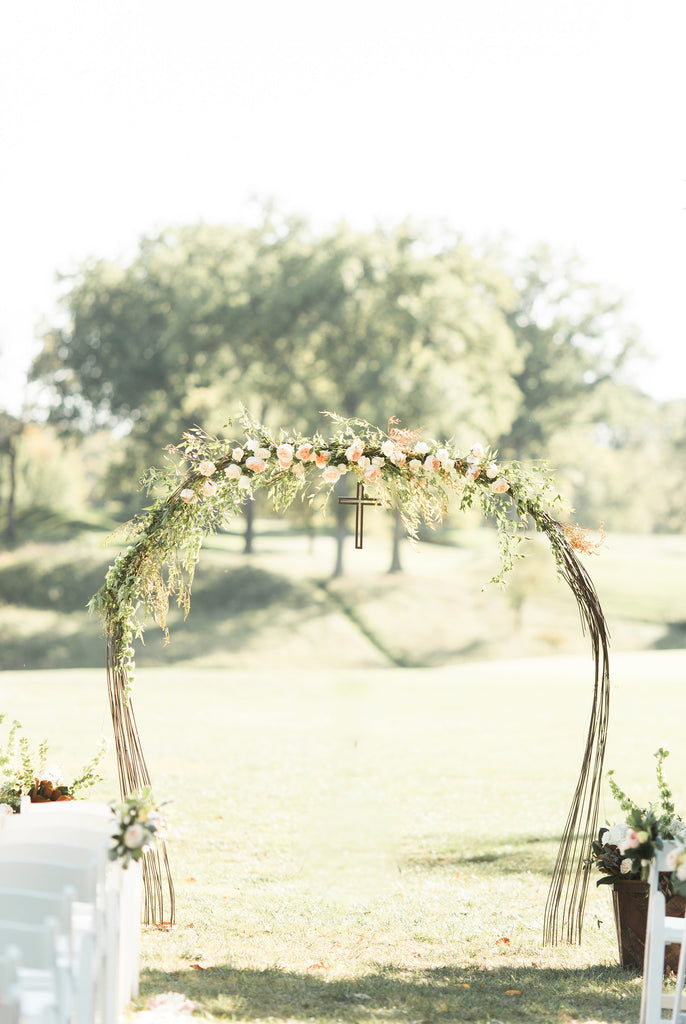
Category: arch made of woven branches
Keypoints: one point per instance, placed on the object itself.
(206, 485)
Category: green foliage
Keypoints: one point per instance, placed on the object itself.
(23, 771)
(647, 830)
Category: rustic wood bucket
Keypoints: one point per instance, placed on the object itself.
(630, 906)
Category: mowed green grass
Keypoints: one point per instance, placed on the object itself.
(375, 844)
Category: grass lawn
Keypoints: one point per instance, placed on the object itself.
(375, 844)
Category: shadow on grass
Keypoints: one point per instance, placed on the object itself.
(510, 995)
(511, 859)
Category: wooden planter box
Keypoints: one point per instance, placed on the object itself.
(630, 906)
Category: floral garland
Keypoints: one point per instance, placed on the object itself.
(211, 478)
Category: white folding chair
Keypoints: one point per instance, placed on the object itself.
(62, 820)
(20, 872)
(22, 906)
(10, 997)
(41, 980)
(661, 931)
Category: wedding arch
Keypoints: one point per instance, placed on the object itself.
(207, 483)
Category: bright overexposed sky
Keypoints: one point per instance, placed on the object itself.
(544, 120)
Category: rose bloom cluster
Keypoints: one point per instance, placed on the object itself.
(624, 838)
(254, 458)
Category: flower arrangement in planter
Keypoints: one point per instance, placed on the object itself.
(139, 823)
(622, 854)
(625, 849)
(26, 773)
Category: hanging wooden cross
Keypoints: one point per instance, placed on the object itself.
(359, 501)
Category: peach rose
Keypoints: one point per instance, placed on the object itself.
(298, 470)
(284, 454)
(491, 470)
(478, 451)
(431, 463)
(500, 485)
(233, 472)
(304, 452)
(331, 474)
(255, 464)
(353, 452)
(237, 454)
(187, 495)
(321, 459)
(206, 468)
(209, 488)
(372, 472)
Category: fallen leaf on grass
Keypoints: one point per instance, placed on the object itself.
(513, 992)
(320, 965)
(504, 940)
(198, 967)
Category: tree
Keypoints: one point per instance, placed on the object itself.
(10, 431)
(575, 348)
(372, 325)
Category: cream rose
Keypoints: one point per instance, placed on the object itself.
(206, 468)
(233, 472)
(134, 837)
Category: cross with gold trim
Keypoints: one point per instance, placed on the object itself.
(359, 501)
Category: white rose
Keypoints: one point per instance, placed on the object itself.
(625, 866)
(421, 448)
(134, 837)
(233, 471)
(388, 448)
(414, 465)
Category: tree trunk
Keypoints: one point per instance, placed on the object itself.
(249, 534)
(9, 525)
(398, 532)
(341, 516)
